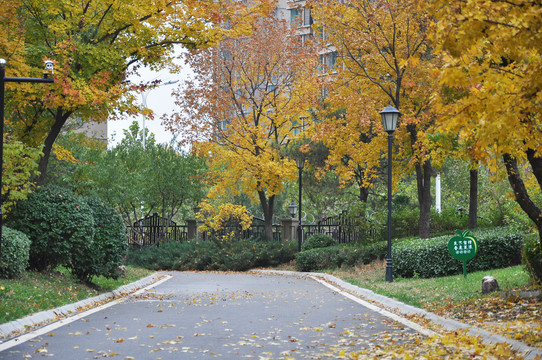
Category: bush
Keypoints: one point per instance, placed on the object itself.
(58, 224)
(339, 255)
(497, 248)
(532, 257)
(15, 252)
(316, 241)
(108, 248)
(237, 255)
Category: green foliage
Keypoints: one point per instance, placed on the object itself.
(15, 252)
(319, 240)
(108, 247)
(20, 164)
(239, 255)
(165, 180)
(497, 248)
(59, 224)
(339, 255)
(532, 257)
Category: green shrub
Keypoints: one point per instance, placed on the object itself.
(108, 247)
(316, 241)
(15, 252)
(58, 224)
(237, 255)
(532, 257)
(339, 255)
(497, 248)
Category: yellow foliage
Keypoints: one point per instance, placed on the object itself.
(218, 217)
(63, 154)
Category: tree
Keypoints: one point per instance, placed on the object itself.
(139, 182)
(95, 45)
(492, 51)
(243, 107)
(383, 55)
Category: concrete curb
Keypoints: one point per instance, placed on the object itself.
(19, 326)
(528, 352)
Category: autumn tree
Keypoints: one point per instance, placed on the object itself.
(383, 56)
(243, 106)
(95, 45)
(492, 52)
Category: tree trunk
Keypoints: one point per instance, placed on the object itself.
(267, 207)
(520, 191)
(423, 179)
(363, 194)
(60, 120)
(473, 199)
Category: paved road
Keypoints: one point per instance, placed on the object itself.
(220, 315)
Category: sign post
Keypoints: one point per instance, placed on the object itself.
(463, 247)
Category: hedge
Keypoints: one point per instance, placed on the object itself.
(15, 252)
(238, 255)
(316, 241)
(497, 248)
(339, 255)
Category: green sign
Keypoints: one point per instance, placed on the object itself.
(463, 247)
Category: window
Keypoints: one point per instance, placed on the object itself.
(300, 17)
(328, 60)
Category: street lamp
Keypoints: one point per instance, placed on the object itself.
(292, 209)
(144, 95)
(389, 120)
(48, 70)
(300, 161)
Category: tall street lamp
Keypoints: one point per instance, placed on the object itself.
(300, 160)
(389, 120)
(3, 80)
(144, 95)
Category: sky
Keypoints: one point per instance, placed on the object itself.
(159, 100)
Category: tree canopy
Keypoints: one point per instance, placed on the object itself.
(249, 98)
(95, 45)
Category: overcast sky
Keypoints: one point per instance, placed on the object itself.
(159, 100)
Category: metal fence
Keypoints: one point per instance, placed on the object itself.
(341, 228)
(153, 229)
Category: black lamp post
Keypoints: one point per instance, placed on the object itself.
(3, 80)
(300, 164)
(389, 120)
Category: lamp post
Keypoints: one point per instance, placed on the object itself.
(300, 160)
(48, 70)
(144, 95)
(389, 120)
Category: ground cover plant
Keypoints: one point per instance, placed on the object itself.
(37, 291)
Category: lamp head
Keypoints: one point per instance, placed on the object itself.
(389, 118)
(293, 209)
(48, 68)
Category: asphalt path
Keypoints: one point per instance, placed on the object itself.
(212, 315)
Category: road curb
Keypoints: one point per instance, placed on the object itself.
(19, 326)
(528, 352)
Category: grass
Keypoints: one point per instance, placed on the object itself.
(34, 291)
(432, 293)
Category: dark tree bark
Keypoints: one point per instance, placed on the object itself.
(60, 119)
(267, 207)
(473, 199)
(520, 191)
(423, 179)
